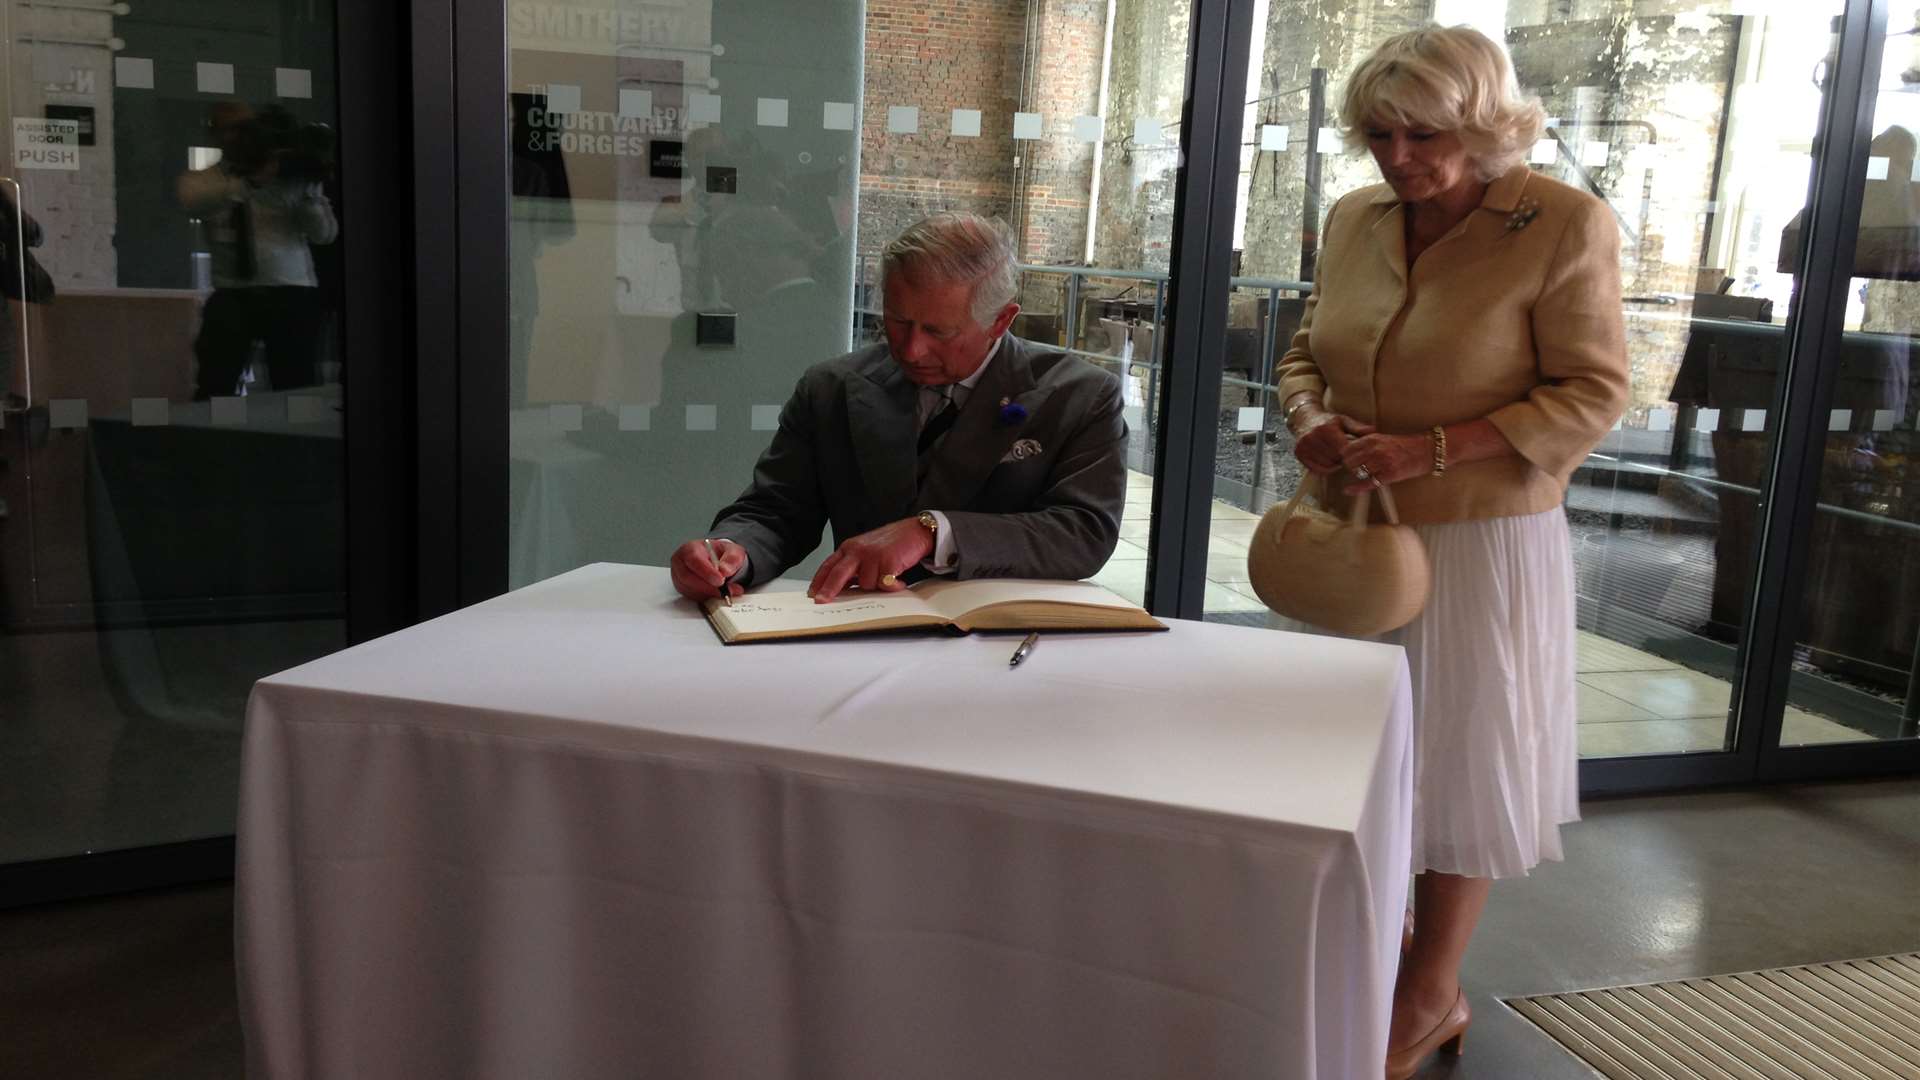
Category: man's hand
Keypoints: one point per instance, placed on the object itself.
(695, 575)
(868, 558)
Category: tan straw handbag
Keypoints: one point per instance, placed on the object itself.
(1349, 577)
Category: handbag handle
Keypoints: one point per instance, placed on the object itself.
(1358, 519)
(1359, 516)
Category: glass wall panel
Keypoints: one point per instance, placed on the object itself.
(713, 167)
(1694, 121)
(171, 453)
(1858, 624)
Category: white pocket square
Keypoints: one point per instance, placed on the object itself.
(1022, 450)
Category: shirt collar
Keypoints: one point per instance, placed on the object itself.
(967, 384)
(974, 378)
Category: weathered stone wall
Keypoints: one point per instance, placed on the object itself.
(1301, 35)
(1137, 180)
(1653, 87)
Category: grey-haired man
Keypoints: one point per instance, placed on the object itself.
(955, 448)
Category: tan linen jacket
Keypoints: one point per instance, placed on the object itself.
(1521, 326)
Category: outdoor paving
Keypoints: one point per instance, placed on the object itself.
(1631, 702)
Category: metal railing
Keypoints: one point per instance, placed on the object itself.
(1154, 360)
(1274, 288)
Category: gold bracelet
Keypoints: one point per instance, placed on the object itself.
(1286, 418)
(1439, 450)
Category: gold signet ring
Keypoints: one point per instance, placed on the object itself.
(888, 579)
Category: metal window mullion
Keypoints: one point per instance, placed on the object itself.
(1807, 377)
(481, 210)
(436, 325)
(372, 61)
(1196, 322)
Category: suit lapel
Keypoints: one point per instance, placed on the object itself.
(969, 453)
(881, 411)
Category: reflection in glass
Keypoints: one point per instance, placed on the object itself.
(735, 170)
(172, 456)
(1859, 627)
(1695, 125)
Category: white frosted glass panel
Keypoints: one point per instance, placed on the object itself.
(213, 78)
(133, 73)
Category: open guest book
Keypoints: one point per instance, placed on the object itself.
(963, 606)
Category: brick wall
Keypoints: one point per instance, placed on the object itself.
(971, 54)
(1057, 171)
(959, 55)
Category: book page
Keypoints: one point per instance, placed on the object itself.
(795, 612)
(954, 599)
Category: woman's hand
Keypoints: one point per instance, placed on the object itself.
(1324, 437)
(1386, 459)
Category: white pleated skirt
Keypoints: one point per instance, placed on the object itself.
(1496, 756)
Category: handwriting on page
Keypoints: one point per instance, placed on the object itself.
(836, 610)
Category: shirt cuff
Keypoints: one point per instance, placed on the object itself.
(943, 558)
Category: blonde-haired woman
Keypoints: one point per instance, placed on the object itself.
(1464, 344)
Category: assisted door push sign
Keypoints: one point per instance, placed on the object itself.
(46, 144)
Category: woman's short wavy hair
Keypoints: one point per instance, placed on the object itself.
(1446, 78)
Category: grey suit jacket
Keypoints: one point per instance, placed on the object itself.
(844, 454)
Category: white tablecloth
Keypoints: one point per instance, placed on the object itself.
(566, 833)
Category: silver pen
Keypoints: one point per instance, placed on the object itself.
(725, 596)
(1026, 647)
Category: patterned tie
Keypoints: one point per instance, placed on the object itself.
(938, 426)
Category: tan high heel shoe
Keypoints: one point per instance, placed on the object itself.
(1449, 1034)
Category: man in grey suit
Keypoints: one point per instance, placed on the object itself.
(955, 448)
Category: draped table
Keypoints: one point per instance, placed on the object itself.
(567, 833)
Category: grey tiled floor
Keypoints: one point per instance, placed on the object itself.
(1631, 702)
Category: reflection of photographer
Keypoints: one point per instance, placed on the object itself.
(260, 207)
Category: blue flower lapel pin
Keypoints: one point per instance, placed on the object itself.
(1012, 413)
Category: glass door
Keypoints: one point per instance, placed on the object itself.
(700, 195)
(1695, 123)
(171, 447)
(1854, 617)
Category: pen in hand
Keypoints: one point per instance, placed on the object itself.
(725, 596)
(1026, 647)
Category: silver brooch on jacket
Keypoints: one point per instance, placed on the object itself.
(1523, 214)
(1023, 449)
